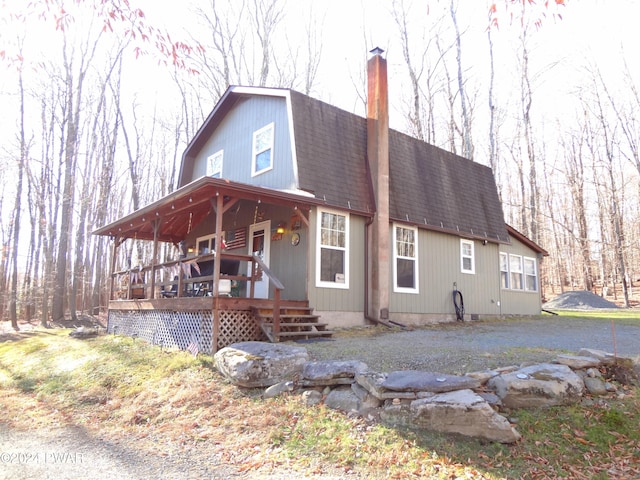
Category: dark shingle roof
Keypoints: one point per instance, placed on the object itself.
(331, 148)
(441, 190)
(429, 186)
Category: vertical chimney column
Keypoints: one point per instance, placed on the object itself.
(378, 155)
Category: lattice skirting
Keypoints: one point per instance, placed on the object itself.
(185, 330)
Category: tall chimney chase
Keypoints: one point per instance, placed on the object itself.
(378, 156)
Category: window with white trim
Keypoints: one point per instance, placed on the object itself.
(518, 272)
(214, 164)
(332, 256)
(262, 150)
(405, 265)
(467, 259)
(515, 272)
(530, 275)
(504, 270)
(206, 244)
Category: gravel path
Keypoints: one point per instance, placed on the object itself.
(464, 347)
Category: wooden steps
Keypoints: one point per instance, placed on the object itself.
(296, 323)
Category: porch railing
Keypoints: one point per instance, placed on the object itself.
(186, 277)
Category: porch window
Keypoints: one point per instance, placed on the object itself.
(206, 244)
(214, 164)
(530, 275)
(405, 273)
(467, 260)
(332, 258)
(262, 150)
(515, 270)
(504, 270)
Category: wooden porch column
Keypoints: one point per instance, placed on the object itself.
(154, 258)
(117, 241)
(216, 273)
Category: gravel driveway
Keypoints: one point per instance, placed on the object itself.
(458, 348)
(71, 453)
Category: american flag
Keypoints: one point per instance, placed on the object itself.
(236, 238)
(193, 347)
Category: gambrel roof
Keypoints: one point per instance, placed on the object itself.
(429, 187)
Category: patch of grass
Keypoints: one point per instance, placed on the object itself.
(621, 316)
(127, 389)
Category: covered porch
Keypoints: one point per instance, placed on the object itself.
(201, 297)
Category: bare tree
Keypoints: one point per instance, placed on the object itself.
(465, 129)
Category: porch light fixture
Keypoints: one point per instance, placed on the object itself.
(280, 228)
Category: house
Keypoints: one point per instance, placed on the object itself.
(321, 214)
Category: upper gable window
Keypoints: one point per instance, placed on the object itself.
(214, 164)
(262, 150)
(467, 258)
(405, 269)
(332, 256)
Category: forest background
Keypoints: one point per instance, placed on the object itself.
(99, 99)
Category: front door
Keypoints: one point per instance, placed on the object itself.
(259, 243)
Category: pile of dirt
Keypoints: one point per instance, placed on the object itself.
(578, 300)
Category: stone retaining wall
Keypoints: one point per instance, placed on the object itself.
(472, 405)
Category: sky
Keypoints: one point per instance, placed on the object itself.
(590, 32)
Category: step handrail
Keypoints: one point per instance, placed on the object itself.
(278, 287)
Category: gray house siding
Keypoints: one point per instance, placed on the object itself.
(336, 299)
(439, 268)
(234, 135)
(287, 262)
(521, 302)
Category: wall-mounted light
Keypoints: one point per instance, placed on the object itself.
(280, 228)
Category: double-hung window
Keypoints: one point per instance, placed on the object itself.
(214, 164)
(515, 269)
(262, 150)
(530, 275)
(332, 256)
(467, 259)
(405, 264)
(504, 270)
(518, 272)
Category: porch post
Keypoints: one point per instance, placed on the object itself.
(216, 273)
(117, 241)
(154, 258)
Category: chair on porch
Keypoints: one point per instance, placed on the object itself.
(173, 291)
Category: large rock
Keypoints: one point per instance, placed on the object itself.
(260, 364)
(418, 381)
(462, 411)
(542, 385)
(344, 399)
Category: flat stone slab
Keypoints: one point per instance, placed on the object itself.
(329, 370)
(578, 362)
(419, 381)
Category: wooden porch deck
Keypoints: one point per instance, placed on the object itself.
(207, 324)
